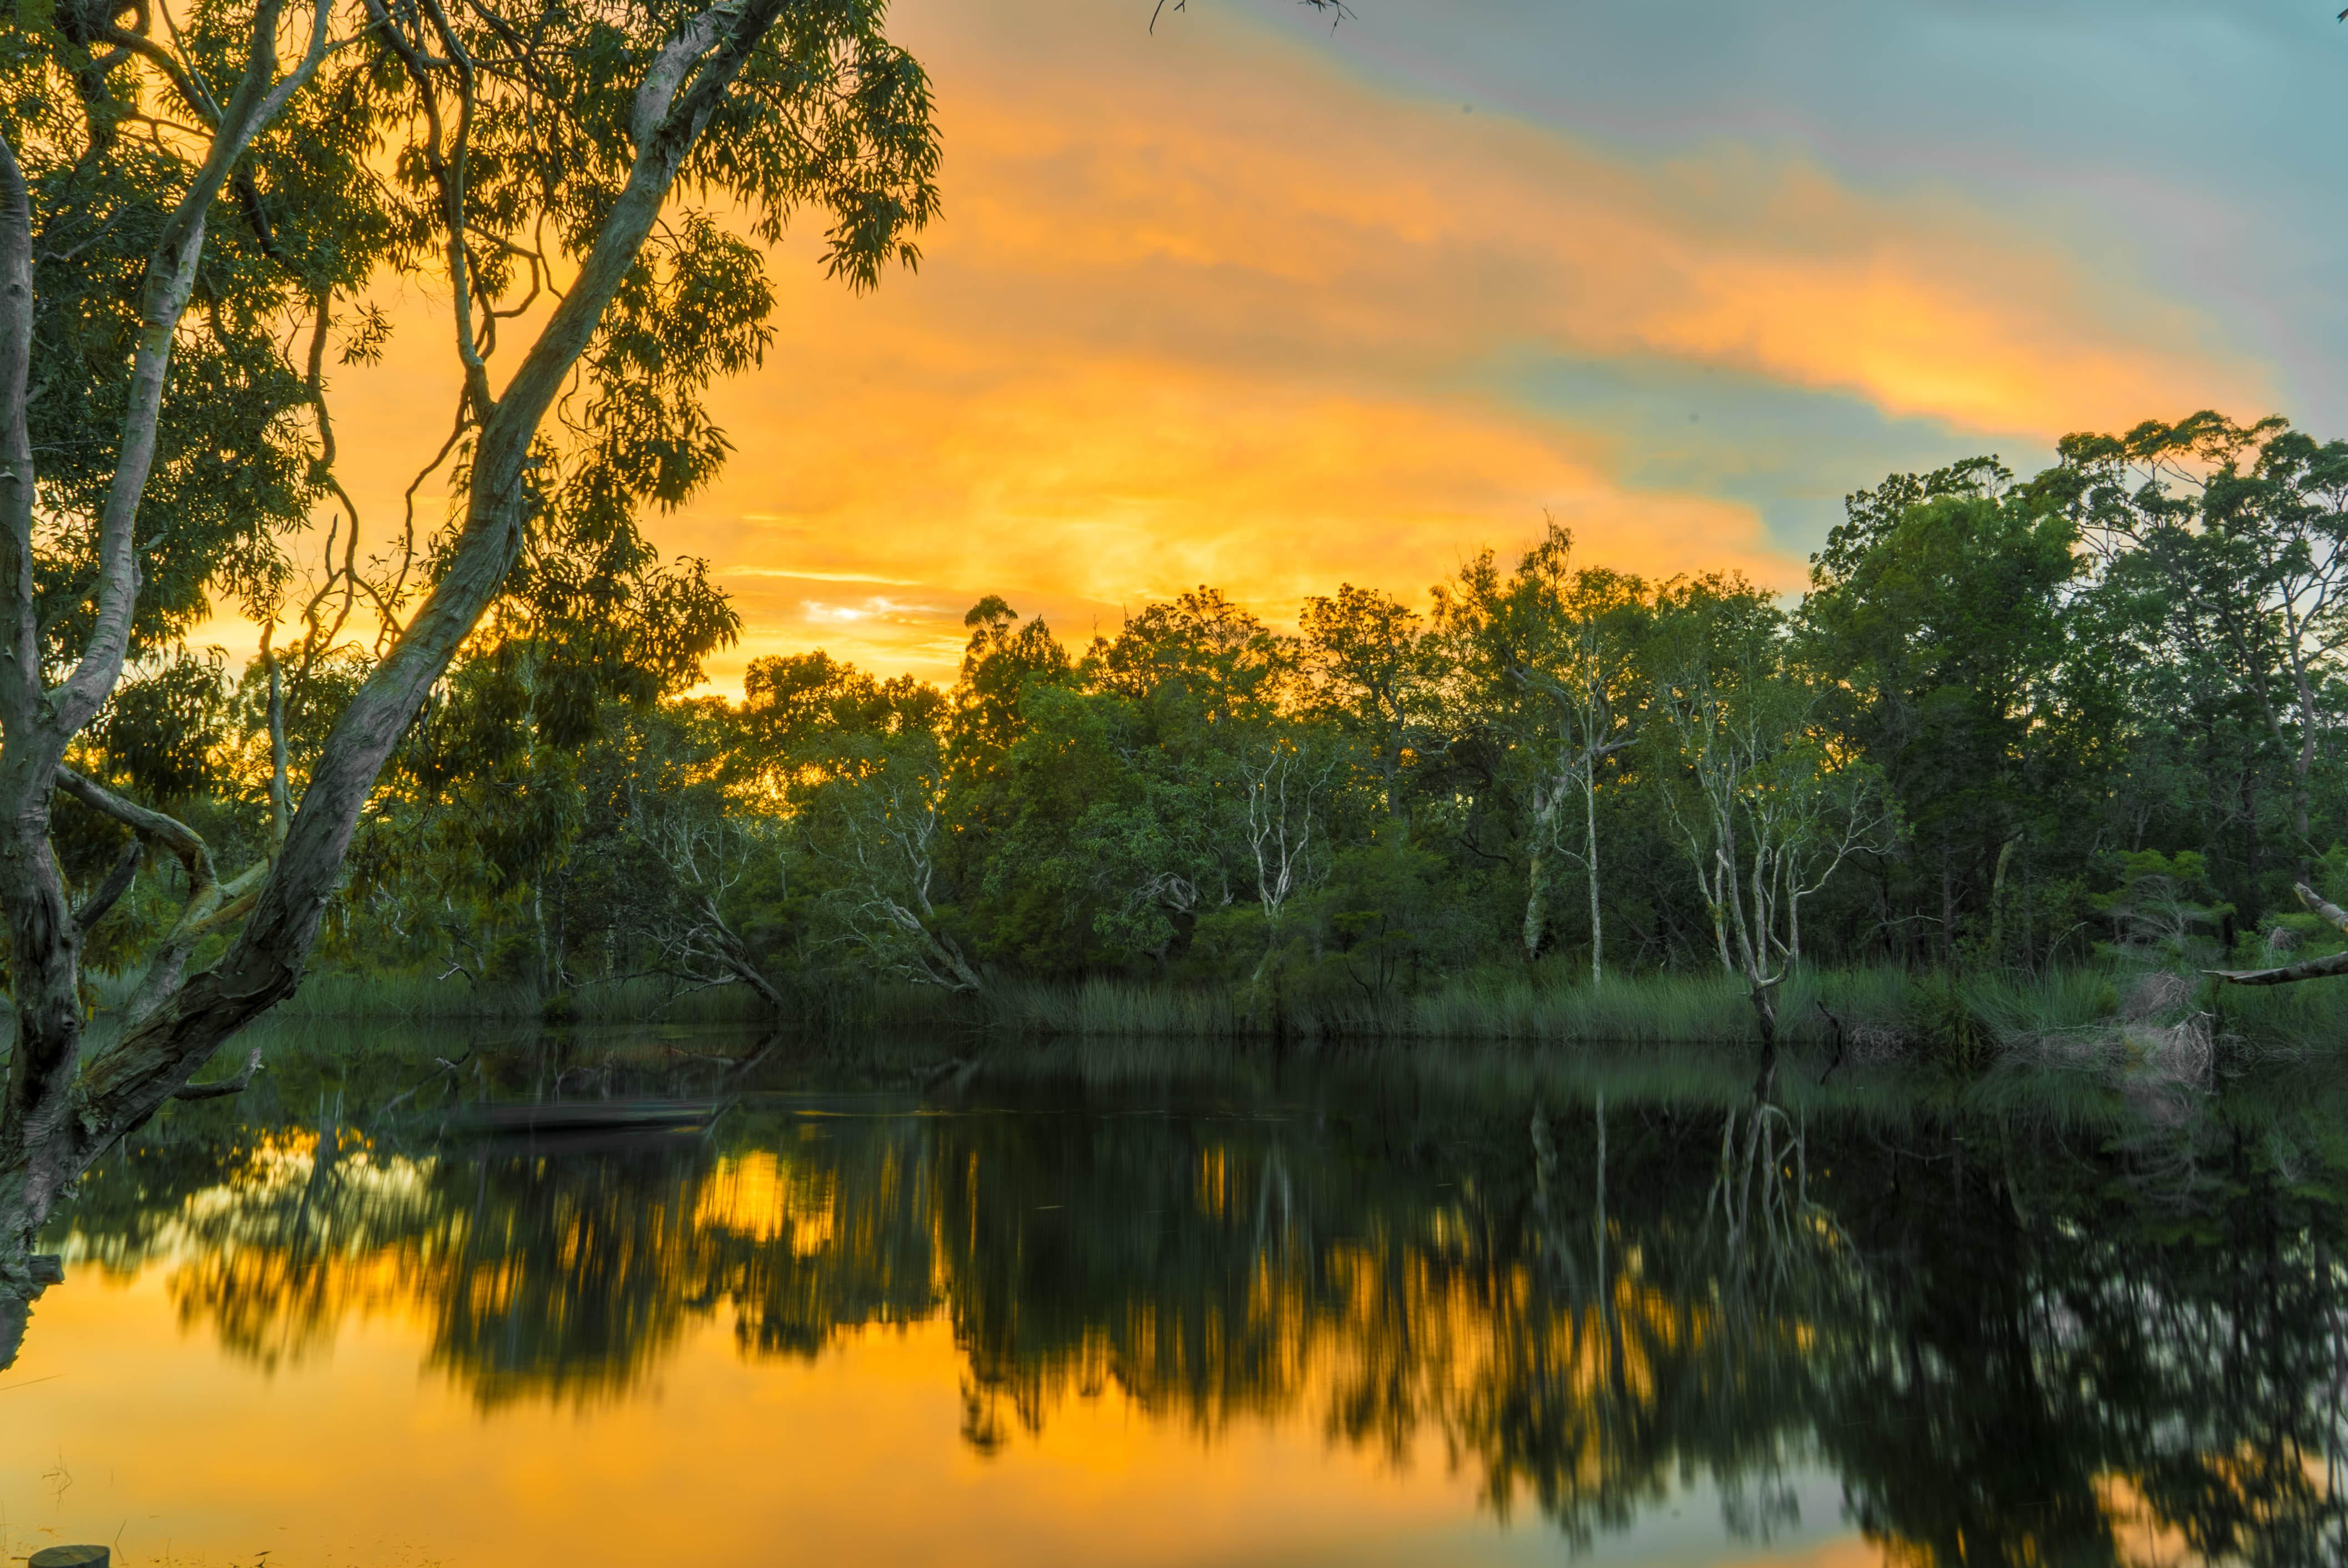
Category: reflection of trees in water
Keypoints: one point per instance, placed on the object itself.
(2012, 1347)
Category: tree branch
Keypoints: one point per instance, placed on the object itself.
(168, 284)
(168, 831)
(2306, 969)
(225, 1086)
(263, 965)
(2312, 969)
(2315, 901)
(117, 882)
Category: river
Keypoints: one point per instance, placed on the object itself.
(921, 1303)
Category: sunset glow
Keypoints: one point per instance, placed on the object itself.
(1216, 305)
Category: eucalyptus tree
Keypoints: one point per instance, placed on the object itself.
(1211, 660)
(1764, 805)
(1553, 650)
(2246, 528)
(871, 821)
(526, 157)
(1003, 657)
(1943, 614)
(685, 852)
(1227, 784)
(1117, 831)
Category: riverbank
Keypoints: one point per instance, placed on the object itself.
(2082, 1015)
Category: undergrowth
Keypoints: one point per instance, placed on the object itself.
(1966, 1021)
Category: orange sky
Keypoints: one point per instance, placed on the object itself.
(1217, 305)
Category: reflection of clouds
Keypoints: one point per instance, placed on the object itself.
(759, 1197)
(1209, 1270)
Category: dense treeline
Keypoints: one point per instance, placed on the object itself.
(2010, 721)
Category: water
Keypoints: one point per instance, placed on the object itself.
(1352, 1308)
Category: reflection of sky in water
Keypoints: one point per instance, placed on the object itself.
(358, 1456)
(1341, 1323)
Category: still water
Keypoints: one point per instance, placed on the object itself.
(1043, 1308)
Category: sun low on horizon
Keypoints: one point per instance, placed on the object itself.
(1249, 300)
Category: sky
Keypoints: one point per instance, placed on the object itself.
(1252, 301)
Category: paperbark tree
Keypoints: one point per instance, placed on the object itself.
(873, 819)
(533, 150)
(1766, 812)
(1555, 650)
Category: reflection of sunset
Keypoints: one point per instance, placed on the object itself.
(760, 1199)
(1168, 333)
(1155, 1337)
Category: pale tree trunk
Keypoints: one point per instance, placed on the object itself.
(1997, 903)
(44, 1124)
(2302, 765)
(1541, 871)
(56, 1120)
(1589, 855)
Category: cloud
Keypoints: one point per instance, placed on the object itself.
(798, 576)
(1216, 312)
(1205, 308)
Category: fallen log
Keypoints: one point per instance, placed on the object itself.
(2307, 968)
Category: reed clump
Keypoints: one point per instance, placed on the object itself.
(426, 998)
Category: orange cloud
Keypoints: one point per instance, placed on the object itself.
(1204, 308)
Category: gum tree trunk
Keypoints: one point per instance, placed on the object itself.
(61, 1114)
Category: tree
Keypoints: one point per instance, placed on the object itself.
(685, 851)
(1374, 670)
(1940, 613)
(1200, 654)
(1554, 651)
(874, 822)
(2248, 526)
(529, 149)
(1764, 808)
(1003, 658)
(1285, 781)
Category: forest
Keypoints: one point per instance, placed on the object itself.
(2012, 724)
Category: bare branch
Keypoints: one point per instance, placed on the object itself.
(169, 832)
(226, 1086)
(170, 283)
(109, 892)
(2315, 901)
(2310, 969)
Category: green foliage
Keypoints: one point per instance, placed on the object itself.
(1988, 750)
(2163, 902)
